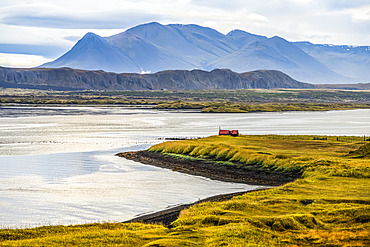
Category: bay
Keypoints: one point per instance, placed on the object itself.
(58, 164)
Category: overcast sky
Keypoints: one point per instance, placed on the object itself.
(37, 31)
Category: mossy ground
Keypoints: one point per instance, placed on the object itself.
(328, 206)
(238, 100)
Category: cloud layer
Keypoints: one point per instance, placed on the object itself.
(59, 24)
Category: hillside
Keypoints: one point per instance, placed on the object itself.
(357, 86)
(352, 61)
(154, 47)
(69, 79)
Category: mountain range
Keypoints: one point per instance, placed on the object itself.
(153, 47)
(74, 79)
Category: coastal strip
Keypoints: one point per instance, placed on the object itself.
(254, 174)
(167, 216)
(205, 169)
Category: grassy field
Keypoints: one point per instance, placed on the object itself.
(328, 206)
(228, 107)
(204, 100)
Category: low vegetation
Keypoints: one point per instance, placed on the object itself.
(329, 156)
(256, 100)
(228, 107)
(328, 206)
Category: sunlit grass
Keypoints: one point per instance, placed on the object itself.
(229, 107)
(328, 206)
(330, 157)
(237, 101)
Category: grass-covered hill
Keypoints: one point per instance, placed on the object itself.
(328, 206)
(362, 152)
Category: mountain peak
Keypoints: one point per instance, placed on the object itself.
(241, 33)
(148, 25)
(277, 38)
(90, 35)
(153, 23)
(237, 32)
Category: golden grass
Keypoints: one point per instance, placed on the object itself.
(328, 206)
(230, 107)
(281, 152)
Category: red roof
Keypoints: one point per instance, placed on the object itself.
(224, 132)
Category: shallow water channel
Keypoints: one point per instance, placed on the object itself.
(57, 164)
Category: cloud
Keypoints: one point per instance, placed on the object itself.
(41, 50)
(31, 24)
(345, 4)
(21, 61)
(72, 38)
(221, 4)
(60, 17)
(361, 14)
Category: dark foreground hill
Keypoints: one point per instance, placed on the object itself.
(69, 79)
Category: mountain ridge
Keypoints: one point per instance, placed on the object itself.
(153, 47)
(70, 79)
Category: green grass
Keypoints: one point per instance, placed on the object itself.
(215, 101)
(277, 107)
(206, 101)
(328, 157)
(328, 206)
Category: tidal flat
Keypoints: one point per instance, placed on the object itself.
(327, 206)
(91, 136)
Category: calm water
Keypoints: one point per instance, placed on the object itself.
(58, 164)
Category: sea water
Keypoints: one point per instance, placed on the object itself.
(58, 164)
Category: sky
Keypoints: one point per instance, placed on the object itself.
(37, 31)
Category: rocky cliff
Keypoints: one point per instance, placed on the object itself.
(69, 79)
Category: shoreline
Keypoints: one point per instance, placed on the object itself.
(169, 215)
(225, 174)
(253, 175)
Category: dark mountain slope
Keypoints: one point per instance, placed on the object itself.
(272, 79)
(172, 79)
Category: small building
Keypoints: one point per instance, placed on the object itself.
(228, 132)
(223, 132)
(234, 133)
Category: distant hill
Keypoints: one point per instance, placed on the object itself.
(351, 61)
(153, 47)
(357, 86)
(70, 79)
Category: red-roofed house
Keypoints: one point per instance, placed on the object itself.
(234, 133)
(224, 132)
(228, 132)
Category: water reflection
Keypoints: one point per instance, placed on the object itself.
(58, 164)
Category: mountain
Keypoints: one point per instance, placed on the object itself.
(73, 79)
(277, 54)
(350, 61)
(119, 53)
(154, 47)
(192, 43)
(93, 52)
